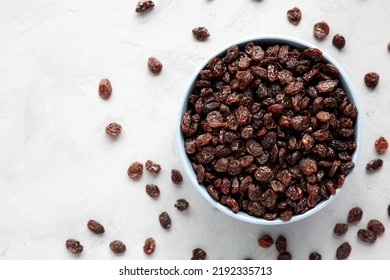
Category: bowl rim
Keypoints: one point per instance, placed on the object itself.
(266, 39)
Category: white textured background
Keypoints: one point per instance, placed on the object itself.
(58, 168)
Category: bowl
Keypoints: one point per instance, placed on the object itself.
(264, 40)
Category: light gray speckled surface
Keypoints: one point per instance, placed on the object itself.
(59, 169)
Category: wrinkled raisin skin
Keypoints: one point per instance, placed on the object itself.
(371, 79)
(154, 65)
(105, 88)
(117, 247)
(74, 246)
(152, 167)
(200, 33)
(265, 241)
(149, 246)
(152, 190)
(381, 145)
(294, 15)
(165, 220)
(321, 30)
(340, 229)
(135, 170)
(198, 254)
(95, 227)
(338, 41)
(374, 165)
(113, 129)
(343, 251)
(315, 256)
(176, 176)
(144, 5)
(181, 204)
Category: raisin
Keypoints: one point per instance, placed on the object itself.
(338, 41)
(313, 53)
(374, 165)
(376, 226)
(74, 246)
(113, 129)
(95, 227)
(135, 170)
(366, 235)
(265, 241)
(181, 204)
(281, 244)
(321, 30)
(340, 229)
(198, 254)
(165, 220)
(315, 256)
(371, 79)
(117, 247)
(152, 190)
(263, 174)
(149, 246)
(343, 251)
(200, 33)
(176, 176)
(144, 5)
(355, 215)
(284, 256)
(154, 65)
(152, 167)
(105, 89)
(308, 166)
(294, 15)
(381, 145)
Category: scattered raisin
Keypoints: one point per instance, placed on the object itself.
(176, 176)
(355, 215)
(165, 220)
(105, 89)
(74, 246)
(200, 33)
(154, 65)
(149, 246)
(321, 30)
(343, 251)
(198, 254)
(376, 226)
(284, 256)
(113, 129)
(294, 15)
(117, 247)
(371, 79)
(338, 41)
(181, 204)
(374, 165)
(152, 190)
(95, 226)
(152, 167)
(366, 235)
(265, 241)
(315, 256)
(143, 5)
(135, 170)
(381, 145)
(281, 244)
(340, 229)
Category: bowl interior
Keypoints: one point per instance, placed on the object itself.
(264, 40)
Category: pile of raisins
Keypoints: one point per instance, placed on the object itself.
(269, 130)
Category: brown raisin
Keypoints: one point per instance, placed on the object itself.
(381, 145)
(152, 190)
(165, 220)
(135, 170)
(176, 176)
(374, 165)
(200, 33)
(355, 215)
(74, 246)
(338, 41)
(343, 251)
(340, 229)
(113, 129)
(315, 256)
(144, 5)
(117, 247)
(105, 89)
(95, 227)
(321, 30)
(294, 15)
(265, 241)
(152, 167)
(285, 256)
(149, 246)
(198, 254)
(281, 244)
(181, 204)
(366, 235)
(371, 79)
(154, 65)
(376, 226)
